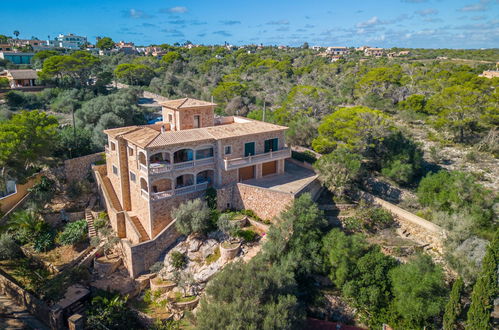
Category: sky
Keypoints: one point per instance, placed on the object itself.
(380, 23)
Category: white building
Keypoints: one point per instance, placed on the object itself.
(68, 41)
(337, 50)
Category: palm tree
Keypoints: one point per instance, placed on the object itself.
(17, 33)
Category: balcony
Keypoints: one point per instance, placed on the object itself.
(177, 192)
(164, 167)
(232, 164)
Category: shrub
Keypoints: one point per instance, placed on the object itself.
(192, 217)
(73, 233)
(27, 226)
(44, 241)
(247, 235)
(178, 260)
(305, 156)
(8, 247)
(453, 308)
(227, 226)
(211, 198)
(157, 267)
(369, 219)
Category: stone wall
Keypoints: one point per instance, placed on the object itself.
(35, 306)
(138, 258)
(76, 169)
(420, 230)
(266, 203)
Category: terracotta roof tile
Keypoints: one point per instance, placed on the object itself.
(23, 74)
(142, 136)
(185, 103)
(114, 132)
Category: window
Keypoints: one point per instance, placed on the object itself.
(170, 117)
(227, 150)
(249, 149)
(133, 178)
(115, 170)
(113, 146)
(130, 151)
(197, 121)
(204, 153)
(271, 145)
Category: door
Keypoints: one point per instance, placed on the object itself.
(249, 149)
(271, 145)
(197, 121)
(269, 168)
(246, 173)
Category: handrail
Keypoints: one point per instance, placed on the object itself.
(258, 158)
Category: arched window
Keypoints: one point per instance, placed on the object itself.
(204, 153)
(142, 158)
(204, 176)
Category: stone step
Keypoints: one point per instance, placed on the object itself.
(142, 232)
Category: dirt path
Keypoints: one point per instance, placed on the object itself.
(13, 316)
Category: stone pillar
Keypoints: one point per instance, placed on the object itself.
(75, 322)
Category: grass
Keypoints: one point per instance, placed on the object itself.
(214, 256)
(229, 245)
(160, 281)
(181, 299)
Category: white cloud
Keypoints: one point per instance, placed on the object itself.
(482, 5)
(427, 12)
(178, 10)
(370, 22)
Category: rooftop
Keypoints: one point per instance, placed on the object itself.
(151, 136)
(23, 74)
(295, 178)
(186, 103)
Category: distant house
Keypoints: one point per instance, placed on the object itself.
(404, 53)
(490, 74)
(337, 50)
(6, 48)
(68, 41)
(22, 78)
(362, 48)
(17, 58)
(126, 47)
(372, 51)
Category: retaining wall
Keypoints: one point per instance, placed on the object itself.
(9, 202)
(419, 229)
(138, 258)
(76, 169)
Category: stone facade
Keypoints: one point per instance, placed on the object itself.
(140, 257)
(77, 169)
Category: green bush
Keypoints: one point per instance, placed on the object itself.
(8, 247)
(178, 260)
(192, 217)
(44, 241)
(369, 219)
(73, 233)
(211, 198)
(305, 156)
(247, 235)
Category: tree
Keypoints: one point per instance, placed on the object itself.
(338, 170)
(111, 312)
(250, 296)
(74, 69)
(301, 131)
(25, 140)
(458, 109)
(105, 43)
(355, 128)
(415, 102)
(171, 57)
(16, 33)
(4, 82)
(457, 192)
(418, 290)
(297, 236)
(134, 74)
(453, 308)
(8, 247)
(192, 217)
(41, 56)
(485, 289)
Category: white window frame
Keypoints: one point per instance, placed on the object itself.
(225, 150)
(133, 177)
(117, 171)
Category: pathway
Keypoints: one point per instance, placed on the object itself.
(13, 316)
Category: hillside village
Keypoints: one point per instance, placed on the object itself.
(191, 186)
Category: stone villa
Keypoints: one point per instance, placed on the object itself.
(152, 169)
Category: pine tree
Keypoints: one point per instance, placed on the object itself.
(485, 290)
(453, 308)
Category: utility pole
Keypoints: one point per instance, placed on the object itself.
(263, 115)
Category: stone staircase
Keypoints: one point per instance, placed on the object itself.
(142, 232)
(90, 223)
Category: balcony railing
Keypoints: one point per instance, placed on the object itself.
(230, 164)
(163, 167)
(178, 191)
